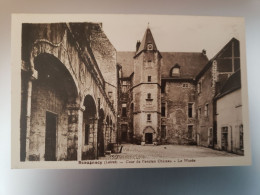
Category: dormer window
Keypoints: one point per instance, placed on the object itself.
(175, 71)
(149, 46)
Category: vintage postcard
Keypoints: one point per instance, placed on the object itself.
(128, 91)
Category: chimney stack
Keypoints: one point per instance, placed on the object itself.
(138, 45)
(204, 52)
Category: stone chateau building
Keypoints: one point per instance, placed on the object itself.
(79, 96)
(170, 97)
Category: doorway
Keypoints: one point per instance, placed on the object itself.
(124, 133)
(50, 136)
(224, 138)
(148, 138)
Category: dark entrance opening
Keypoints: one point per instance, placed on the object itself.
(100, 136)
(50, 137)
(148, 138)
(88, 129)
(124, 136)
(123, 133)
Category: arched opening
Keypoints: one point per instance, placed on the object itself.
(100, 138)
(148, 135)
(88, 129)
(51, 93)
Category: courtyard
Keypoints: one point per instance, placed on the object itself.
(130, 151)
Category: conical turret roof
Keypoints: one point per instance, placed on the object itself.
(147, 39)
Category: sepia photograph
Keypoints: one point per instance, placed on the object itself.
(128, 91)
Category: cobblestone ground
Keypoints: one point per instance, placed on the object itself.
(130, 151)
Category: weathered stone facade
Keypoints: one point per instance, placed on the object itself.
(67, 92)
(178, 97)
(182, 88)
(79, 95)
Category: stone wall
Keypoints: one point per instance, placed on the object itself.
(177, 97)
(46, 98)
(58, 49)
(205, 97)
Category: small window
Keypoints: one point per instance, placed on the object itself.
(185, 85)
(199, 87)
(149, 63)
(125, 86)
(148, 117)
(175, 71)
(149, 96)
(149, 78)
(163, 110)
(190, 110)
(206, 111)
(199, 112)
(124, 114)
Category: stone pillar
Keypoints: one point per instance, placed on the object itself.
(34, 75)
(104, 134)
(80, 129)
(95, 134)
(110, 133)
(74, 126)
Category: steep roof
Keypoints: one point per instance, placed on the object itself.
(226, 50)
(191, 63)
(233, 83)
(148, 38)
(126, 60)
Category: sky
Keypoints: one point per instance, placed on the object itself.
(171, 33)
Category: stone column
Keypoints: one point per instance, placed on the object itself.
(106, 135)
(74, 126)
(80, 129)
(95, 134)
(34, 75)
(110, 133)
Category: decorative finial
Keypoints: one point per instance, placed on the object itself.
(148, 25)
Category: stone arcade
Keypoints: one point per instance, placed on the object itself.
(69, 92)
(79, 95)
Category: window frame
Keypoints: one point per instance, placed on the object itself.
(124, 110)
(190, 110)
(206, 110)
(163, 105)
(148, 117)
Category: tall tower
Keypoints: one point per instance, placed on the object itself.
(147, 91)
